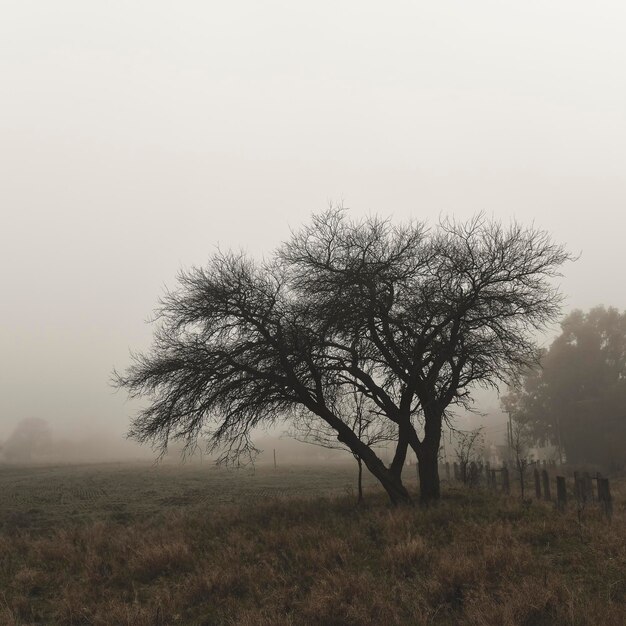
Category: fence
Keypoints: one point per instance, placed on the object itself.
(499, 480)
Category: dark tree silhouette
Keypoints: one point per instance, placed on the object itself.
(469, 448)
(410, 318)
(576, 400)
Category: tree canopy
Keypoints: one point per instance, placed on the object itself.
(577, 398)
(408, 316)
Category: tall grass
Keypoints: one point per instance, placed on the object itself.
(473, 559)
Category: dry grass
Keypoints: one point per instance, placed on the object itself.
(473, 559)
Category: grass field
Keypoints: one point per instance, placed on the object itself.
(38, 498)
(145, 545)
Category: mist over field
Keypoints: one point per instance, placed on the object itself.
(35, 440)
(135, 141)
(312, 313)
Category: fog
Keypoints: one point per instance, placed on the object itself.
(35, 441)
(136, 137)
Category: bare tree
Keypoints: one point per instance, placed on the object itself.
(469, 448)
(521, 440)
(410, 317)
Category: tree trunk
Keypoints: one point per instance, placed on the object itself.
(428, 470)
(399, 457)
(391, 482)
(427, 452)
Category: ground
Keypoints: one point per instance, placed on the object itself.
(156, 545)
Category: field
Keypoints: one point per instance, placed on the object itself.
(37, 498)
(169, 544)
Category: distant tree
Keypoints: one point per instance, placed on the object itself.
(577, 398)
(409, 317)
(31, 438)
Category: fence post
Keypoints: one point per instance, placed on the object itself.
(588, 484)
(455, 465)
(537, 484)
(545, 479)
(604, 496)
(494, 480)
(448, 471)
(579, 490)
(463, 469)
(506, 487)
(472, 474)
(561, 493)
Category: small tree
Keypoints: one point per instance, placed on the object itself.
(360, 413)
(521, 440)
(469, 448)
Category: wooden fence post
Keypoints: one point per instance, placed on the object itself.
(604, 496)
(494, 480)
(506, 486)
(545, 479)
(455, 465)
(472, 474)
(447, 470)
(589, 487)
(463, 469)
(537, 484)
(579, 489)
(561, 493)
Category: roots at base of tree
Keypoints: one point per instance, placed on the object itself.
(399, 496)
(429, 491)
(396, 491)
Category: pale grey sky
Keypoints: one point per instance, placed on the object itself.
(135, 136)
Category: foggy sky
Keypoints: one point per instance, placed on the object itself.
(136, 136)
